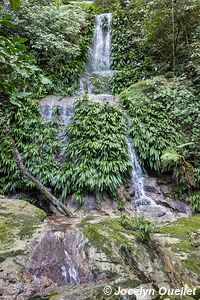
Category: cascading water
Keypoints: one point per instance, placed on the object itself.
(74, 277)
(57, 255)
(99, 61)
(102, 43)
(138, 175)
(98, 69)
(144, 205)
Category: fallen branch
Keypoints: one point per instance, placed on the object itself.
(54, 201)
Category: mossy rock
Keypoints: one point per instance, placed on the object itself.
(19, 223)
(144, 87)
(185, 233)
(105, 233)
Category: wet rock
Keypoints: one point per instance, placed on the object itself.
(59, 256)
(84, 292)
(75, 258)
(123, 195)
(59, 107)
(156, 213)
(158, 193)
(179, 239)
(167, 189)
(20, 223)
(175, 205)
(117, 258)
(63, 107)
(132, 193)
(150, 185)
(92, 203)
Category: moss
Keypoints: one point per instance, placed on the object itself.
(144, 87)
(106, 233)
(3, 207)
(193, 263)
(6, 255)
(53, 295)
(182, 230)
(19, 220)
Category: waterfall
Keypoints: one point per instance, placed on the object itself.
(98, 65)
(137, 178)
(74, 277)
(102, 43)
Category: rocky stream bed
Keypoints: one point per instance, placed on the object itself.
(58, 258)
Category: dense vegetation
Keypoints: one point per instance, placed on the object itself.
(155, 55)
(165, 127)
(98, 158)
(150, 37)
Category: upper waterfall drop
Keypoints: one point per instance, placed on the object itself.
(101, 50)
(98, 67)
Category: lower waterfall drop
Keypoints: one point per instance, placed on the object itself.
(144, 205)
(137, 177)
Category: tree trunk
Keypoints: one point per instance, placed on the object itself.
(56, 203)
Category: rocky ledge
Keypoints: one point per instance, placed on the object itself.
(76, 258)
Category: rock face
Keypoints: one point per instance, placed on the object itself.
(20, 223)
(63, 108)
(66, 259)
(114, 256)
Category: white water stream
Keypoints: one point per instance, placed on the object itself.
(138, 175)
(102, 43)
(99, 59)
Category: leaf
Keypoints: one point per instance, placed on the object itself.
(16, 97)
(45, 80)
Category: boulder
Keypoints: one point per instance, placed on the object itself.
(20, 223)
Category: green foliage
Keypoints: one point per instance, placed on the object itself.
(183, 170)
(195, 202)
(96, 150)
(20, 80)
(165, 127)
(59, 38)
(158, 33)
(142, 40)
(152, 130)
(15, 4)
(101, 84)
(183, 106)
(120, 205)
(17, 71)
(128, 57)
(36, 141)
(143, 226)
(170, 157)
(94, 158)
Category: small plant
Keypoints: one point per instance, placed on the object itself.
(195, 202)
(127, 223)
(120, 205)
(127, 246)
(144, 227)
(139, 224)
(183, 171)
